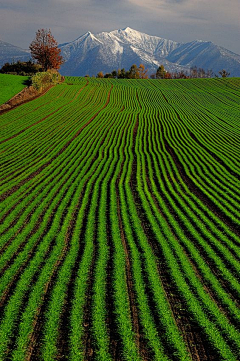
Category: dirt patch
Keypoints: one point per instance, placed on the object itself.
(27, 94)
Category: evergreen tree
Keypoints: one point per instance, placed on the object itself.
(160, 74)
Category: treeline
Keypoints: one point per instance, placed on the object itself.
(194, 72)
(141, 73)
(133, 73)
(25, 68)
(29, 68)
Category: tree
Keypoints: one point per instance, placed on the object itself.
(193, 72)
(224, 73)
(121, 73)
(114, 74)
(44, 49)
(142, 72)
(168, 75)
(100, 75)
(21, 68)
(133, 72)
(160, 74)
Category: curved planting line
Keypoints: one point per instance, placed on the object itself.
(50, 212)
(68, 127)
(146, 319)
(184, 208)
(39, 121)
(174, 340)
(60, 209)
(27, 314)
(60, 151)
(117, 235)
(152, 221)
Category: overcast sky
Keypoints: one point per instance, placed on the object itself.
(179, 20)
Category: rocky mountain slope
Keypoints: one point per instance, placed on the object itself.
(10, 53)
(106, 51)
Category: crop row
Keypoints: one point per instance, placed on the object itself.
(119, 233)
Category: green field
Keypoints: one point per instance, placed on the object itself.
(11, 85)
(120, 222)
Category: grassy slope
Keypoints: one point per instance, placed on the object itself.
(10, 85)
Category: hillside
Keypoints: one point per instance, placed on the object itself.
(120, 222)
(106, 51)
(10, 53)
(10, 85)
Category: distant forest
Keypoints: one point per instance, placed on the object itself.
(135, 72)
(141, 73)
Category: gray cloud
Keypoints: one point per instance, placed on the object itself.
(180, 20)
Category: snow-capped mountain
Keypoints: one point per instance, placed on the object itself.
(10, 53)
(106, 51)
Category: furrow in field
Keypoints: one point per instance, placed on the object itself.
(119, 233)
(200, 194)
(48, 133)
(180, 254)
(189, 331)
(64, 268)
(39, 170)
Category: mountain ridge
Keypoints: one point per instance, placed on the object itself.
(10, 53)
(107, 51)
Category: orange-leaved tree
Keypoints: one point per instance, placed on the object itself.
(44, 49)
(142, 72)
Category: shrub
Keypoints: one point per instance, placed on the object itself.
(42, 80)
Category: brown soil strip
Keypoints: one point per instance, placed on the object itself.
(34, 350)
(219, 160)
(201, 250)
(32, 125)
(17, 275)
(139, 337)
(88, 341)
(25, 96)
(41, 120)
(199, 348)
(199, 193)
(114, 337)
(39, 170)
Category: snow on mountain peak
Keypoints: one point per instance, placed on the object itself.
(121, 48)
